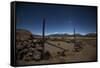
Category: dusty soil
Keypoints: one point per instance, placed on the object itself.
(87, 53)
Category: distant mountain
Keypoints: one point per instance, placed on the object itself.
(37, 35)
(78, 35)
(91, 35)
(25, 34)
(58, 35)
(68, 35)
(63, 35)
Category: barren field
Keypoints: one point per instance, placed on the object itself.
(64, 51)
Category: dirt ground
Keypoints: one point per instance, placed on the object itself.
(86, 53)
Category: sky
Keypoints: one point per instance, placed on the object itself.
(58, 18)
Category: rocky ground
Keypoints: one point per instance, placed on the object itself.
(29, 50)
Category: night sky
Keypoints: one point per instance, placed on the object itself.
(58, 18)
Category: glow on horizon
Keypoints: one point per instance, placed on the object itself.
(69, 33)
